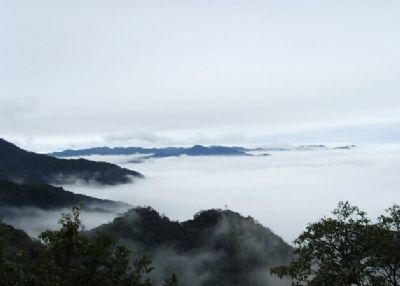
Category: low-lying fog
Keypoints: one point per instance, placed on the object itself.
(284, 191)
(34, 220)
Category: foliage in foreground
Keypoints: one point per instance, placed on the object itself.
(347, 250)
(65, 257)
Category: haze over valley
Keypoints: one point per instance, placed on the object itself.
(199, 143)
(284, 191)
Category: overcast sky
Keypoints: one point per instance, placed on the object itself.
(81, 73)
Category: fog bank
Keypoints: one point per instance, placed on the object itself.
(284, 191)
(34, 220)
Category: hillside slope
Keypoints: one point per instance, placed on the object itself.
(47, 197)
(214, 248)
(13, 240)
(21, 166)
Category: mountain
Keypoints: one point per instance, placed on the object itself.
(47, 197)
(14, 240)
(103, 151)
(345, 147)
(216, 247)
(196, 150)
(18, 165)
(311, 147)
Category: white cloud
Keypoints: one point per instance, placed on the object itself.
(139, 137)
(284, 191)
(110, 68)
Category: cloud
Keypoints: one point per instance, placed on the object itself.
(139, 137)
(182, 138)
(233, 245)
(34, 220)
(16, 106)
(197, 68)
(284, 191)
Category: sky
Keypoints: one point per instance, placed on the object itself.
(155, 73)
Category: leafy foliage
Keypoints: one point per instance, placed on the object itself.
(347, 250)
(68, 258)
(384, 247)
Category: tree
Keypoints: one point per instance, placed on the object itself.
(331, 251)
(384, 247)
(348, 250)
(7, 269)
(172, 281)
(69, 258)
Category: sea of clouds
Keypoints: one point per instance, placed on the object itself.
(284, 191)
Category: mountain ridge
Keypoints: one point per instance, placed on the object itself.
(47, 197)
(21, 166)
(215, 248)
(195, 150)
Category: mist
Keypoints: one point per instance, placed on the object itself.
(201, 267)
(214, 248)
(284, 191)
(35, 220)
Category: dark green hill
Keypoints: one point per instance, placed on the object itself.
(214, 248)
(47, 197)
(18, 165)
(14, 240)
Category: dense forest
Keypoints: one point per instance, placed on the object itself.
(214, 248)
(66, 257)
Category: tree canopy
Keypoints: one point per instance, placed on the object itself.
(347, 249)
(66, 257)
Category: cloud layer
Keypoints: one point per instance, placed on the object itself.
(284, 191)
(77, 71)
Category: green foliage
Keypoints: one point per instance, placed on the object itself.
(385, 259)
(172, 281)
(69, 258)
(347, 250)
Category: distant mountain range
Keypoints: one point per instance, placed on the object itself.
(47, 197)
(196, 150)
(20, 166)
(310, 147)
